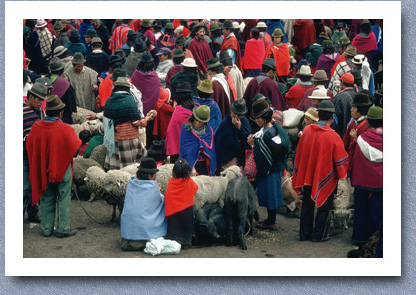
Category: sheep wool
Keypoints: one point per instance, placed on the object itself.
(98, 154)
(80, 116)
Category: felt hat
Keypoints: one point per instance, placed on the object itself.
(312, 113)
(260, 96)
(57, 27)
(358, 59)
(55, 64)
(270, 62)
(65, 21)
(189, 63)
(320, 94)
(156, 24)
(365, 21)
(261, 25)
(122, 81)
(39, 90)
(344, 41)
(74, 34)
(146, 57)
(183, 87)
(78, 58)
(180, 40)
(236, 25)
(361, 99)
(340, 25)
(375, 113)
(324, 35)
(157, 150)
(113, 59)
(228, 24)
(148, 165)
(327, 44)
(214, 27)
(351, 51)
(41, 23)
(320, 75)
(45, 81)
(199, 26)
(178, 53)
(357, 75)
(206, 87)
(96, 40)
(139, 45)
(91, 33)
(131, 33)
(145, 23)
(305, 71)
(213, 63)
(239, 107)
(347, 78)
(59, 50)
(225, 59)
(260, 107)
(277, 33)
(202, 113)
(326, 106)
(119, 72)
(164, 51)
(169, 26)
(120, 53)
(54, 103)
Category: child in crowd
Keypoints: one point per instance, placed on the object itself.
(85, 137)
(179, 200)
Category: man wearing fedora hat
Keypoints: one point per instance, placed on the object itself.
(119, 36)
(98, 59)
(133, 59)
(165, 58)
(87, 38)
(62, 53)
(343, 67)
(338, 33)
(143, 216)
(280, 53)
(145, 28)
(319, 81)
(167, 38)
(216, 38)
(74, 44)
(328, 58)
(178, 58)
(45, 37)
(365, 41)
(367, 178)
(51, 167)
(181, 43)
(230, 43)
(156, 28)
(361, 65)
(295, 93)
(231, 138)
(31, 46)
(200, 49)
(320, 162)
(188, 74)
(262, 27)
(83, 80)
(232, 72)
(253, 54)
(342, 47)
(343, 103)
(265, 85)
(131, 38)
(60, 35)
(32, 112)
(205, 93)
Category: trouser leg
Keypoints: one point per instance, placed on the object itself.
(306, 215)
(48, 208)
(320, 232)
(64, 202)
(362, 219)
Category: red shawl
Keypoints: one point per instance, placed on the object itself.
(172, 72)
(180, 116)
(148, 84)
(281, 55)
(320, 162)
(104, 90)
(253, 54)
(179, 195)
(362, 126)
(232, 43)
(51, 148)
(164, 114)
(149, 34)
(305, 33)
(119, 37)
(363, 172)
(337, 62)
(295, 94)
(267, 40)
(365, 44)
(201, 52)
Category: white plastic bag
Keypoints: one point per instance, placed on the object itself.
(291, 118)
(162, 246)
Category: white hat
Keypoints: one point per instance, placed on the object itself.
(358, 59)
(189, 63)
(41, 23)
(236, 25)
(261, 25)
(305, 71)
(319, 94)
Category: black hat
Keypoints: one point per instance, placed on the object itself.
(156, 24)
(91, 33)
(146, 57)
(225, 59)
(113, 59)
(55, 64)
(239, 107)
(74, 34)
(357, 75)
(139, 45)
(46, 81)
(157, 150)
(260, 107)
(183, 87)
(180, 40)
(148, 165)
(228, 24)
(270, 62)
(213, 63)
(131, 33)
(119, 72)
(361, 100)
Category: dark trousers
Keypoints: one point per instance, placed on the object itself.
(27, 190)
(368, 213)
(307, 228)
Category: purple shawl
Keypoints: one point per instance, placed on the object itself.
(325, 63)
(148, 84)
(60, 86)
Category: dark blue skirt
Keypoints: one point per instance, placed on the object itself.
(269, 190)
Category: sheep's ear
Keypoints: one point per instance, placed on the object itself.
(86, 179)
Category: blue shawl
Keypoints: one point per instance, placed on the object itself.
(215, 112)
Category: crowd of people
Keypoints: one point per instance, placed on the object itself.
(206, 94)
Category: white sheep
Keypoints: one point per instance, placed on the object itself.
(93, 126)
(94, 180)
(212, 188)
(80, 167)
(341, 212)
(98, 154)
(80, 116)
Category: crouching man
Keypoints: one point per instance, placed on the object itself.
(143, 216)
(319, 163)
(51, 146)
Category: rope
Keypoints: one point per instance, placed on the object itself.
(284, 182)
(74, 189)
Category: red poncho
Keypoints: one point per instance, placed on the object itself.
(119, 37)
(320, 162)
(305, 33)
(51, 147)
(295, 94)
(201, 52)
(179, 195)
(164, 113)
(365, 44)
(253, 54)
(281, 56)
(348, 140)
(232, 43)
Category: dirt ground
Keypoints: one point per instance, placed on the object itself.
(101, 239)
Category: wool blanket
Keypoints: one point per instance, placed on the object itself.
(320, 162)
(148, 84)
(280, 53)
(232, 43)
(180, 116)
(201, 52)
(215, 112)
(304, 33)
(179, 194)
(365, 44)
(253, 54)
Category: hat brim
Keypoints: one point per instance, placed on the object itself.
(205, 90)
(319, 98)
(199, 119)
(59, 107)
(37, 94)
(311, 117)
(150, 171)
(235, 111)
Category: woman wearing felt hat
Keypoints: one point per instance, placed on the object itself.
(196, 143)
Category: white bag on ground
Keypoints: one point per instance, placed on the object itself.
(162, 246)
(291, 118)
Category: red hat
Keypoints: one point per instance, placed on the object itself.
(347, 78)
